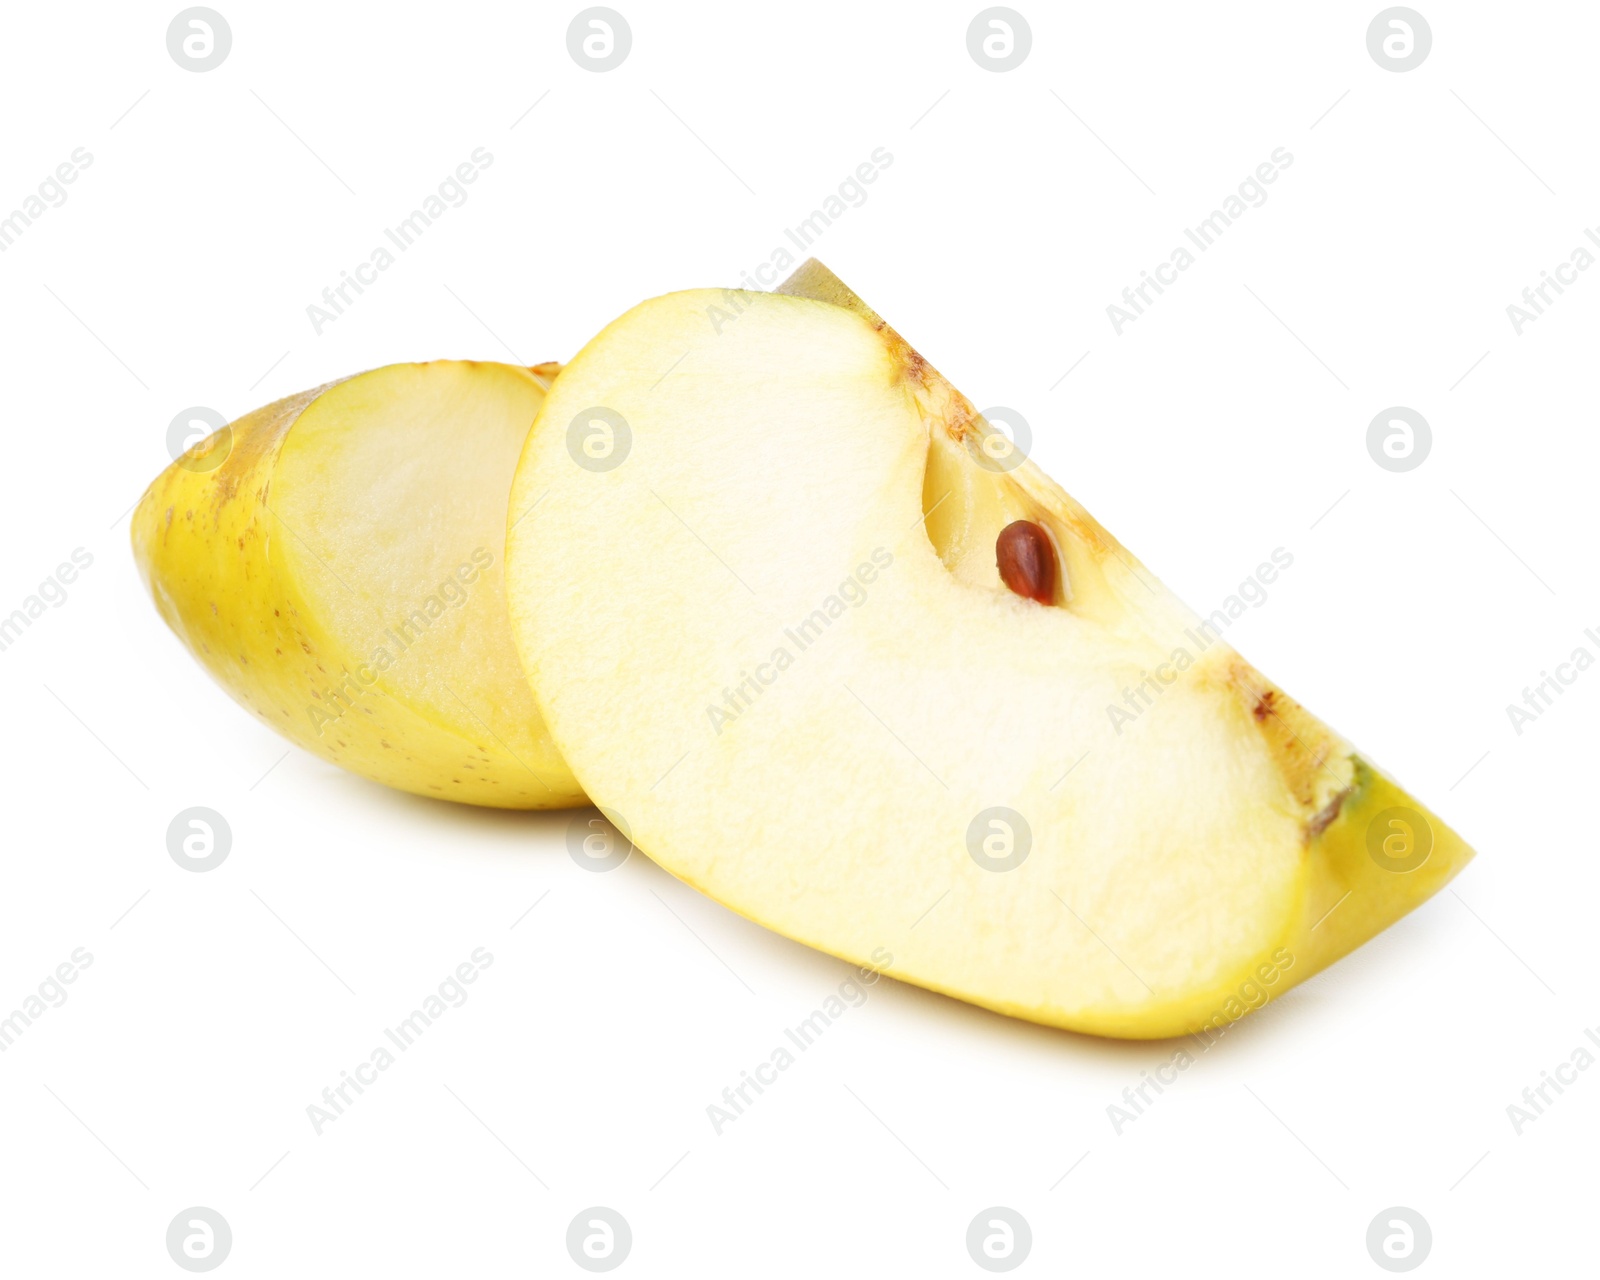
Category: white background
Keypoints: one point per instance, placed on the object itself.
(218, 1006)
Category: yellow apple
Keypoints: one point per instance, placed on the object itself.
(335, 561)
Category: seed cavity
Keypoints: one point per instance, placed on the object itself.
(1026, 559)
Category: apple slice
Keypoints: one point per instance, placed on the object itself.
(778, 649)
(334, 560)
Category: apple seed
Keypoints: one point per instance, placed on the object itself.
(1027, 561)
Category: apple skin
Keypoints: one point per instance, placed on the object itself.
(208, 548)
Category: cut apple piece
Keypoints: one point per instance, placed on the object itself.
(335, 561)
(781, 648)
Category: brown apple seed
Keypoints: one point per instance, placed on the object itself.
(1027, 561)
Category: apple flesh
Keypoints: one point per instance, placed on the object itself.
(778, 648)
(335, 561)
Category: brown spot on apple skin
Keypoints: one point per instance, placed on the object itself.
(1026, 559)
(1323, 819)
(1316, 764)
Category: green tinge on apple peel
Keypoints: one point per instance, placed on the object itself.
(1350, 897)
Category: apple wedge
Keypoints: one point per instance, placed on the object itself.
(778, 650)
(335, 561)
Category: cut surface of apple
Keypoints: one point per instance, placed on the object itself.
(778, 651)
(335, 560)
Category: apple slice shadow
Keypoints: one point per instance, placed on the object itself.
(536, 829)
(958, 1016)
